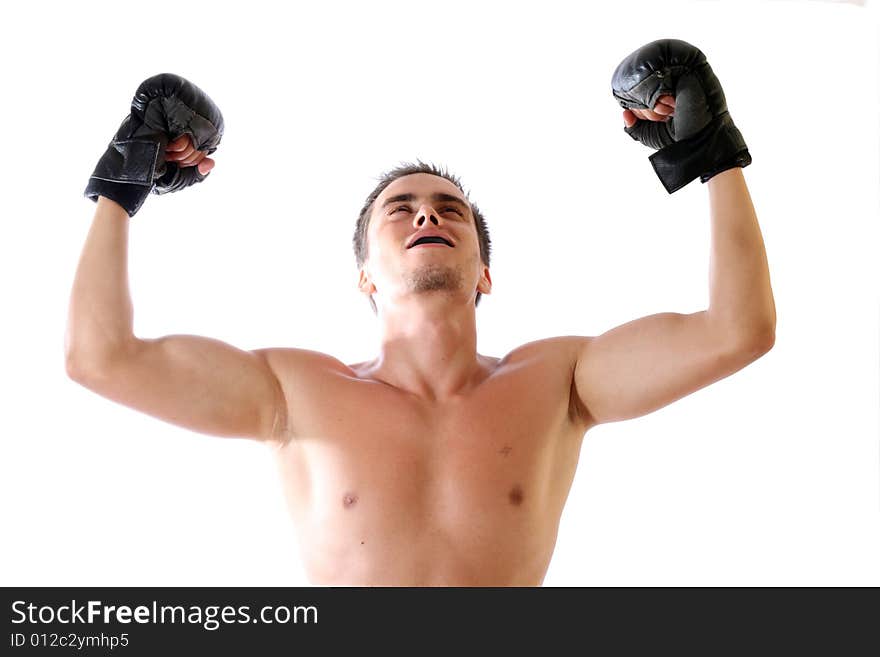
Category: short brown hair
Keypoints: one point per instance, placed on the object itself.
(406, 169)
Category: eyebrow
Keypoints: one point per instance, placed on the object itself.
(438, 196)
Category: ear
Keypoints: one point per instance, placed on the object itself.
(365, 285)
(485, 284)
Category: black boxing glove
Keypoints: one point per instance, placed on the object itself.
(164, 107)
(701, 139)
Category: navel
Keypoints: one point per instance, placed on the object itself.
(515, 495)
(349, 500)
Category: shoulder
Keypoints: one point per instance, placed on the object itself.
(553, 361)
(563, 349)
(288, 362)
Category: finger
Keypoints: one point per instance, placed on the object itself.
(650, 115)
(178, 144)
(667, 100)
(182, 155)
(206, 165)
(195, 158)
(663, 110)
(629, 119)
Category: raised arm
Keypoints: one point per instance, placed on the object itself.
(198, 383)
(674, 104)
(194, 382)
(641, 366)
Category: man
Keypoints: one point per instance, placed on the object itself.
(431, 464)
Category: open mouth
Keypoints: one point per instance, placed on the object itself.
(430, 241)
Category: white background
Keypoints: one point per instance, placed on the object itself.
(769, 477)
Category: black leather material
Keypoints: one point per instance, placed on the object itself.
(164, 107)
(701, 139)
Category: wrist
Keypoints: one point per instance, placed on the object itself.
(106, 205)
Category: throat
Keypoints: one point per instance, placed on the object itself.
(432, 384)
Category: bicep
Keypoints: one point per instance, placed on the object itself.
(639, 367)
(198, 383)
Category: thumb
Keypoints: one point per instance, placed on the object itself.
(629, 119)
(206, 165)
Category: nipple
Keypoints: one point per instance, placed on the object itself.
(515, 495)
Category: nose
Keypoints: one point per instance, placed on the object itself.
(426, 213)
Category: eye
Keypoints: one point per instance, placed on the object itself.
(407, 208)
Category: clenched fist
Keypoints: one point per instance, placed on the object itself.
(181, 152)
(669, 82)
(663, 111)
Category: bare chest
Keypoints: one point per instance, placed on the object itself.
(376, 481)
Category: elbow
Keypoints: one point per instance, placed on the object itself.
(765, 338)
(85, 367)
(71, 366)
(763, 343)
(81, 357)
(78, 368)
(756, 343)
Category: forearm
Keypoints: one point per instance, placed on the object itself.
(740, 297)
(100, 315)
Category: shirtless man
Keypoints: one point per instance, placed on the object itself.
(431, 464)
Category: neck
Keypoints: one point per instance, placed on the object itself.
(428, 347)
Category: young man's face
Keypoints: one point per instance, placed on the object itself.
(411, 207)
